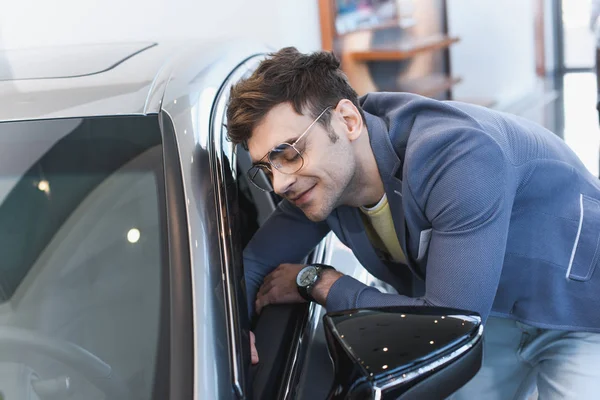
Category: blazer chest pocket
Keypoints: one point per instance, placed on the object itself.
(586, 250)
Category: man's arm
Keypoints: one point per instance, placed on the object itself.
(286, 237)
(465, 190)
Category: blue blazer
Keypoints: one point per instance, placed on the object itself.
(495, 214)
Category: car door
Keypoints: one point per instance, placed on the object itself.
(279, 329)
(222, 212)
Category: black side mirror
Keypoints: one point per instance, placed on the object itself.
(403, 352)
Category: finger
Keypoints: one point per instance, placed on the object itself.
(272, 295)
(265, 288)
(267, 281)
(271, 280)
(274, 274)
(253, 351)
(257, 306)
(260, 303)
(278, 295)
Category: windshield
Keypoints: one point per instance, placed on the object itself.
(83, 253)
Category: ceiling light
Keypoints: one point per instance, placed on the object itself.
(44, 186)
(133, 235)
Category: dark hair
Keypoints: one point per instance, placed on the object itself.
(309, 82)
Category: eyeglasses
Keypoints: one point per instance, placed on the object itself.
(285, 157)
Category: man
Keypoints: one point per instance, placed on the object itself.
(452, 204)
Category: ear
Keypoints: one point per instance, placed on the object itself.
(352, 121)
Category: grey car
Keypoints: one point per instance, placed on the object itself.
(123, 214)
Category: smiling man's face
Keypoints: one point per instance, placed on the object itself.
(329, 162)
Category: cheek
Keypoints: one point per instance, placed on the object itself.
(321, 173)
(337, 168)
(330, 166)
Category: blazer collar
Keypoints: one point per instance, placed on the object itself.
(388, 159)
(389, 163)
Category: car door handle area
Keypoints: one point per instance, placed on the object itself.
(276, 331)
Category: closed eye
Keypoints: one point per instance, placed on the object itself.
(265, 168)
(262, 165)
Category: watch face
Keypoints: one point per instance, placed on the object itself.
(307, 276)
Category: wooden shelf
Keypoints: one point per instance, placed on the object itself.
(421, 31)
(387, 25)
(429, 85)
(403, 50)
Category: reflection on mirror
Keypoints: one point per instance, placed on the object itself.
(396, 350)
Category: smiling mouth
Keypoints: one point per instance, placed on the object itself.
(299, 199)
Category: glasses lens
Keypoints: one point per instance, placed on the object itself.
(285, 158)
(260, 176)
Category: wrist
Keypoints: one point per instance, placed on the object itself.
(322, 287)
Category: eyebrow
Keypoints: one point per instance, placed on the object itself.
(292, 140)
(258, 164)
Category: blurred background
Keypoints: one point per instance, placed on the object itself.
(535, 58)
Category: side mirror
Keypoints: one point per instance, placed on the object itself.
(403, 352)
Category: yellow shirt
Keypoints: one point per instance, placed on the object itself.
(381, 231)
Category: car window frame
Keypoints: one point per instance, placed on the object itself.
(179, 361)
(224, 165)
(224, 155)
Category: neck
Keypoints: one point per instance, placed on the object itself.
(366, 188)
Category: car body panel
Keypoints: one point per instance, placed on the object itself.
(121, 90)
(132, 80)
(67, 61)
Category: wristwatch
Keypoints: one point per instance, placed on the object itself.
(308, 277)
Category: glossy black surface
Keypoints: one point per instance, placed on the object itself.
(385, 341)
(374, 346)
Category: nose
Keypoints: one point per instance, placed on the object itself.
(282, 182)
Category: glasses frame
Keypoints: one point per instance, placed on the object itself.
(270, 165)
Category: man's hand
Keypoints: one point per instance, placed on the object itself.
(279, 287)
(253, 351)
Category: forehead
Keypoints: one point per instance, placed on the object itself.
(280, 124)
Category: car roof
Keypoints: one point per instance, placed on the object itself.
(101, 79)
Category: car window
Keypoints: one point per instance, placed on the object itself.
(83, 252)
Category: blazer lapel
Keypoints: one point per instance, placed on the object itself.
(390, 166)
(356, 237)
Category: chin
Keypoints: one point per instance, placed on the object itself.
(316, 215)
(320, 207)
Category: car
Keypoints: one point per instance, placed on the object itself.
(124, 210)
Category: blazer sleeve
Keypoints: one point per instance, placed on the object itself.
(461, 181)
(286, 237)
